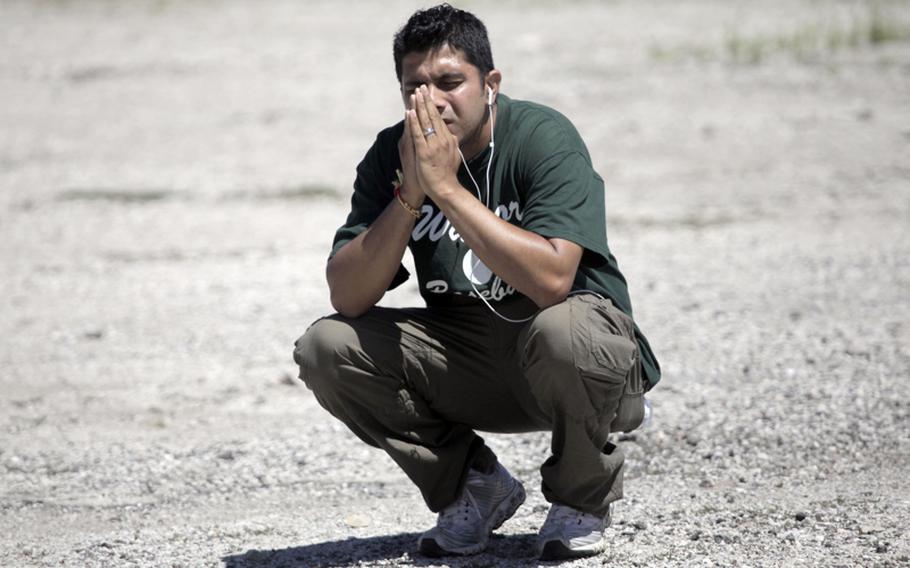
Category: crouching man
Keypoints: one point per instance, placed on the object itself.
(527, 325)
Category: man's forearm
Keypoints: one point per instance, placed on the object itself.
(360, 273)
(540, 268)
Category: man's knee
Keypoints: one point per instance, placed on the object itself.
(317, 352)
(549, 339)
(548, 360)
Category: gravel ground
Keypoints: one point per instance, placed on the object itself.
(171, 175)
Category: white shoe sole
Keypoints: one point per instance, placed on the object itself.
(557, 550)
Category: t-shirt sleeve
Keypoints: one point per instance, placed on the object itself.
(564, 196)
(372, 193)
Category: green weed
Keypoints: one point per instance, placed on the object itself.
(304, 192)
(115, 195)
(818, 41)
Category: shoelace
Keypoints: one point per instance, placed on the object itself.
(460, 509)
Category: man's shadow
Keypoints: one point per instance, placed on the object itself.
(516, 549)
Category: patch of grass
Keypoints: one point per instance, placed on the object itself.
(91, 73)
(746, 50)
(115, 195)
(692, 222)
(872, 26)
(301, 192)
(174, 255)
(139, 196)
(883, 29)
(691, 51)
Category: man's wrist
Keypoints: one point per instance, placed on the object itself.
(412, 207)
(414, 197)
(446, 189)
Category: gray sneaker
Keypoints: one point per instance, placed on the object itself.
(570, 533)
(464, 527)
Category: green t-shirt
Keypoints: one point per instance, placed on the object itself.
(541, 180)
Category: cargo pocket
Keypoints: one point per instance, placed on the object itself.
(631, 409)
(608, 360)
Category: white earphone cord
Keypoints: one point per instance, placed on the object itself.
(487, 203)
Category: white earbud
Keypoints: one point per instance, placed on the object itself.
(489, 95)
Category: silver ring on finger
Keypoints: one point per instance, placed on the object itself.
(429, 131)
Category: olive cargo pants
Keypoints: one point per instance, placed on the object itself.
(418, 382)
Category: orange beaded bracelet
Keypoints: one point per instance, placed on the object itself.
(407, 206)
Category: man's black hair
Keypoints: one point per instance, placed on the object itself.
(440, 25)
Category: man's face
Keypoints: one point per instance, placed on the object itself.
(457, 90)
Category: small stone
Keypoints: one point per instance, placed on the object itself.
(640, 525)
(226, 455)
(801, 516)
(357, 520)
(706, 483)
(882, 547)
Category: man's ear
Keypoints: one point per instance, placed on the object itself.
(493, 81)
